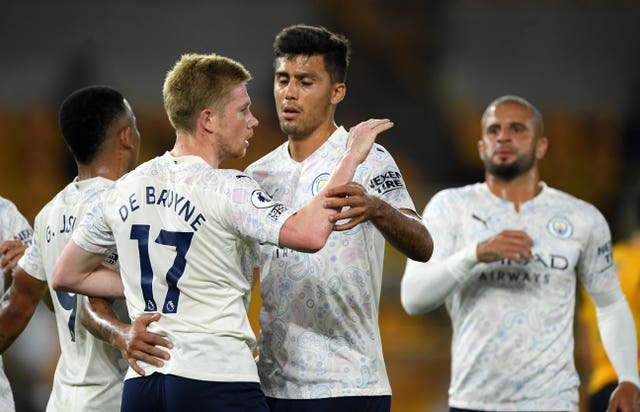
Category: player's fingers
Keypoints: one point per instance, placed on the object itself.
(134, 365)
(8, 245)
(154, 340)
(351, 213)
(349, 224)
(145, 319)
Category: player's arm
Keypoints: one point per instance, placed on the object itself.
(425, 286)
(133, 340)
(402, 228)
(17, 306)
(77, 270)
(618, 335)
(308, 229)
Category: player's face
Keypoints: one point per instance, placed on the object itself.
(509, 146)
(234, 124)
(304, 95)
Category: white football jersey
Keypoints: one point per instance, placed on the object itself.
(13, 226)
(90, 372)
(183, 231)
(319, 320)
(512, 345)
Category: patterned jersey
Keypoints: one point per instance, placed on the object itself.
(626, 257)
(319, 320)
(512, 345)
(183, 231)
(13, 226)
(89, 373)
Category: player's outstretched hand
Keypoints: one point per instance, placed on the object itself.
(11, 251)
(362, 136)
(626, 398)
(145, 346)
(508, 244)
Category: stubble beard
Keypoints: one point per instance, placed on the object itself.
(508, 172)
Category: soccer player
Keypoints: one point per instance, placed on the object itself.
(99, 128)
(507, 255)
(319, 346)
(184, 230)
(15, 235)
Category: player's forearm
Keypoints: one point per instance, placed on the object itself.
(101, 321)
(404, 232)
(15, 313)
(618, 334)
(79, 271)
(309, 228)
(425, 286)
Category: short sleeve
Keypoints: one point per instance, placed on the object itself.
(94, 234)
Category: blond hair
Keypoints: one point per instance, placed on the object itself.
(197, 82)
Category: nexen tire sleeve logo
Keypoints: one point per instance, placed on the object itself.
(386, 182)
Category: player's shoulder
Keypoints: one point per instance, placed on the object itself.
(267, 161)
(460, 193)
(578, 206)
(6, 205)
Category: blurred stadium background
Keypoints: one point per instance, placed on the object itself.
(431, 66)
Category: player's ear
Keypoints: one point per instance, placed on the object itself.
(542, 144)
(339, 91)
(481, 147)
(207, 120)
(125, 138)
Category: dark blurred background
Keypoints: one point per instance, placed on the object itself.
(431, 66)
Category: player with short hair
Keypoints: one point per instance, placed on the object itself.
(319, 346)
(99, 128)
(508, 253)
(184, 229)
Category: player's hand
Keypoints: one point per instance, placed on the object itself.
(626, 398)
(362, 136)
(11, 252)
(508, 244)
(360, 205)
(141, 345)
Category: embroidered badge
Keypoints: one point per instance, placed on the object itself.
(560, 227)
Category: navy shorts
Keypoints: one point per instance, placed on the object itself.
(340, 404)
(170, 393)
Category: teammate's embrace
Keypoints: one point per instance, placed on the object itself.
(182, 227)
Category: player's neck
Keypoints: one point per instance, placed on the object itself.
(188, 145)
(301, 147)
(111, 170)
(517, 190)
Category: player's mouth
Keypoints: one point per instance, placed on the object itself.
(503, 153)
(290, 112)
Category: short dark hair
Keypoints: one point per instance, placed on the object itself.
(511, 98)
(85, 117)
(316, 40)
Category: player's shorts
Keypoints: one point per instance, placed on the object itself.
(339, 404)
(170, 393)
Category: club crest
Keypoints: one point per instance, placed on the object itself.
(560, 227)
(319, 183)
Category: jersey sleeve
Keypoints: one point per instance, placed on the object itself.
(383, 179)
(252, 214)
(14, 225)
(596, 268)
(94, 234)
(32, 262)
